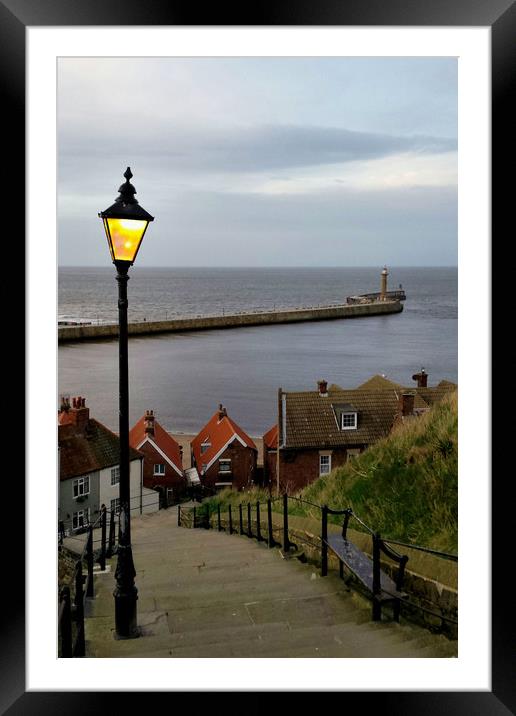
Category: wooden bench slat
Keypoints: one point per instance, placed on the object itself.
(362, 566)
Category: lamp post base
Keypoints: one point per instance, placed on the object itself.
(126, 626)
(126, 595)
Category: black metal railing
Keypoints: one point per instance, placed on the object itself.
(73, 596)
(188, 517)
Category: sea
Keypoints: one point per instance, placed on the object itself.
(184, 377)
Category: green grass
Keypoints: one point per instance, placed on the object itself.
(404, 486)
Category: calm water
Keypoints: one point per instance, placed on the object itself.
(184, 377)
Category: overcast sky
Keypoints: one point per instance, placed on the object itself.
(262, 162)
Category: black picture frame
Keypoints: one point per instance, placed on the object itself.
(500, 16)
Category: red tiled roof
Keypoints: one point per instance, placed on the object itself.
(84, 450)
(161, 438)
(270, 439)
(217, 432)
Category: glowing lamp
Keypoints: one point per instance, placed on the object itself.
(125, 223)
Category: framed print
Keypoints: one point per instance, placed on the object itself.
(49, 48)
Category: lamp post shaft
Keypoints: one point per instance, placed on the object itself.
(125, 592)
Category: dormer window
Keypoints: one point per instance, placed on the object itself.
(348, 421)
(346, 416)
(205, 446)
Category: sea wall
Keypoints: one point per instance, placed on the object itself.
(375, 308)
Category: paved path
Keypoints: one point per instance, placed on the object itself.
(207, 594)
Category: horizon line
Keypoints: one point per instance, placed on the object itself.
(269, 267)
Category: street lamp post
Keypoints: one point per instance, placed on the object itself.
(125, 223)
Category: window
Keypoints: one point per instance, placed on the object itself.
(353, 453)
(81, 486)
(205, 446)
(115, 505)
(81, 518)
(159, 469)
(324, 464)
(348, 421)
(115, 475)
(224, 465)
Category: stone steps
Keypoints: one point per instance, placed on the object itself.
(209, 594)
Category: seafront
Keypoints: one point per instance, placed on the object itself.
(238, 320)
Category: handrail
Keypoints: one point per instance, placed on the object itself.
(306, 502)
(84, 587)
(444, 555)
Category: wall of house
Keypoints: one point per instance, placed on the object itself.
(170, 479)
(243, 467)
(299, 468)
(110, 492)
(269, 467)
(68, 504)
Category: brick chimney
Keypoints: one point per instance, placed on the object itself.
(406, 403)
(222, 412)
(322, 386)
(65, 404)
(421, 378)
(78, 414)
(149, 422)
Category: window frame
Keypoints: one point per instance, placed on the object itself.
(321, 473)
(226, 461)
(346, 415)
(85, 512)
(78, 483)
(115, 475)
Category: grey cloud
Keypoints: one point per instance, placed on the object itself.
(405, 227)
(248, 149)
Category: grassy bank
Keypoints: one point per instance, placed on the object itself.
(404, 486)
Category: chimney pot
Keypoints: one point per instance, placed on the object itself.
(323, 387)
(421, 378)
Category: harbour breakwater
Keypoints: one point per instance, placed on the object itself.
(265, 318)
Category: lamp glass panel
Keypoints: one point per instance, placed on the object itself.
(125, 236)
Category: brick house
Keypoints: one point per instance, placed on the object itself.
(320, 430)
(224, 455)
(89, 471)
(163, 458)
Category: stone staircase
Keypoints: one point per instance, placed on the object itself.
(208, 594)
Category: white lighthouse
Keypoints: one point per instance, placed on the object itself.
(383, 284)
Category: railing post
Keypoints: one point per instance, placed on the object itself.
(66, 624)
(194, 518)
(377, 588)
(345, 524)
(249, 527)
(286, 541)
(89, 559)
(102, 560)
(230, 519)
(179, 515)
(218, 518)
(111, 540)
(241, 518)
(80, 647)
(324, 542)
(270, 536)
(258, 526)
